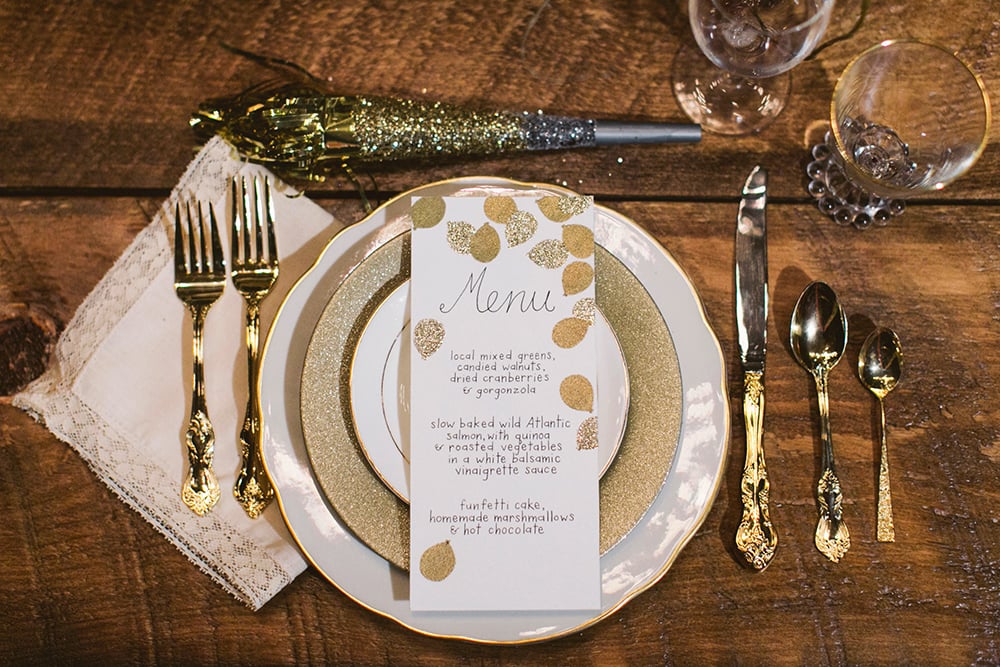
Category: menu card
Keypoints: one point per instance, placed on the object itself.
(503, 405)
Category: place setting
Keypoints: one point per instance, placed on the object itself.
(342, 468)
(489, 410)
(238, 268)
(406, 485)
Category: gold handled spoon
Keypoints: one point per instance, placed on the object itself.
(880, 365)
(819, 338)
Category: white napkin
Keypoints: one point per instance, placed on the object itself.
(118, 387)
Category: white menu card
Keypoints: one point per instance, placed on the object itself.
(503, 405)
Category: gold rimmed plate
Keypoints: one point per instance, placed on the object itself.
(363, 501)
(356, 273)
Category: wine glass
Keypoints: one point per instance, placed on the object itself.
(755, 43)
(907, 118)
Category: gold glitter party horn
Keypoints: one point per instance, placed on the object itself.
(305, 134)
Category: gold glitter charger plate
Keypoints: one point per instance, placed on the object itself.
(355, 273)
(374, 512)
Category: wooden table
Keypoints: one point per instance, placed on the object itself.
(93, 131)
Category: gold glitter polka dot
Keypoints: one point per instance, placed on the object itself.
(498, 208)
(577, 277)
(561, 209)
(579, 240)
(574, 205)
(586, 435)
(549, 206)
(460, 236)
(437, 561)
(427, 212)
(521, 226)
(485, 244)
(569, 332)
(577, 393)
(549, 254)
(428, 335)
(585, 309)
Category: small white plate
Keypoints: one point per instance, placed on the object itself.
(380, 401)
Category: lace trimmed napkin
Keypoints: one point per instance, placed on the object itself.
(118, 387)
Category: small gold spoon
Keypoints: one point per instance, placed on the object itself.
(880, 364)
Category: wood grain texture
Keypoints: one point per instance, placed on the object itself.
(88, 579)
(93, 131)
(114, 83)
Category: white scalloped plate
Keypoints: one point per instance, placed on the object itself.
(632, 566)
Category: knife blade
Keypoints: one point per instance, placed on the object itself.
(756, 538)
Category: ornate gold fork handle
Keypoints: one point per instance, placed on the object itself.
(253, 488)
(200, 491)
(885, 531)
(755, 538)
(832, 537)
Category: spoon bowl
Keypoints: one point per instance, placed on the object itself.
(880, 362)
(818, 338)
(880, 365)
(819, 328)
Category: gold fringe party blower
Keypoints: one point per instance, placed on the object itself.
(304, 134)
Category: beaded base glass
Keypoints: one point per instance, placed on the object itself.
(907, 118)
(839, 198)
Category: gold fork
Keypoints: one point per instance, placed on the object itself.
(199, 278)
(255, 269)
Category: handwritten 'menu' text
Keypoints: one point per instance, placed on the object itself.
(496, 301)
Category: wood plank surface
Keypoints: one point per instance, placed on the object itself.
(85, 578)
(98, 94)
(93, 132)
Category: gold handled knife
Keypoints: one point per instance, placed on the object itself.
(755, 537)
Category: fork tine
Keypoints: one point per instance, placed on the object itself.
(246, 209)
(269, 223)
(234, 234)
(238, 215)
(258, 237)
(180, 266)
(192, 260)
(218, 267)
(240, 240)
(204, 261)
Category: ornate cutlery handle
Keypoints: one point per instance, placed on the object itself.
(755, 537)
(253, 487)
(832, 536)
(200, 491)
(885, 531)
